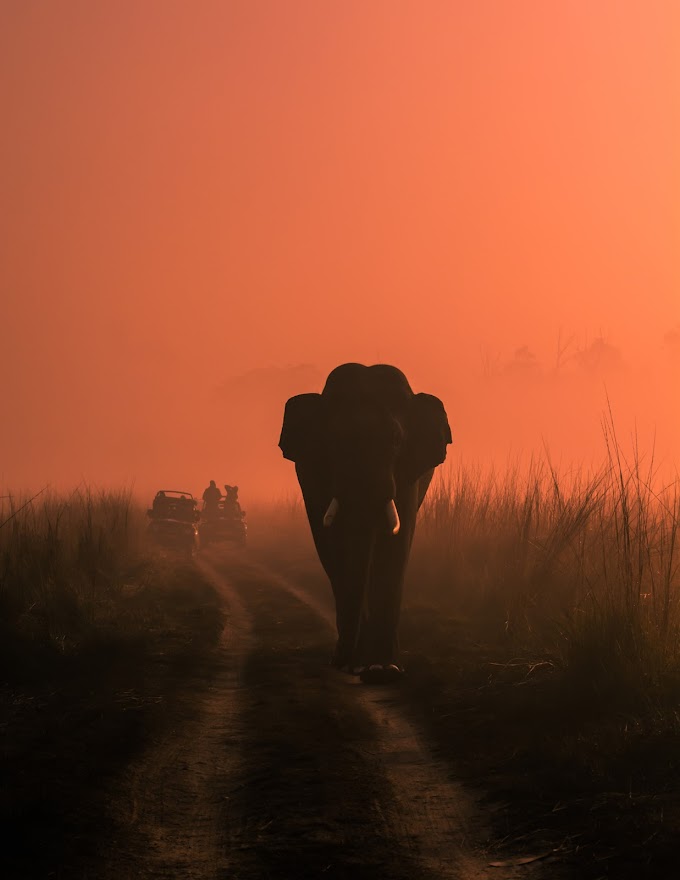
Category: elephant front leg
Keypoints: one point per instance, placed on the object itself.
(349, 599)
(379, 640)
(349, 588)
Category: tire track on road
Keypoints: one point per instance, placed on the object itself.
(172, 806)
(276, 766)
(428, 814)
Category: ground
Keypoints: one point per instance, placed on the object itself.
(226, 747)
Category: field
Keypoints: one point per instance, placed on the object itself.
(540, 636)
(541, 639)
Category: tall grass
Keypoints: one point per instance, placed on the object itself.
(62, 559)
(582, 565)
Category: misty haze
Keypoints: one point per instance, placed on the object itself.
(339, 491)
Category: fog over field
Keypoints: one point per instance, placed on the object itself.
(204, 211)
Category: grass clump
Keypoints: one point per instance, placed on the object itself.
(63, 563)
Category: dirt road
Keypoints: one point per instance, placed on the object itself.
(277, 766)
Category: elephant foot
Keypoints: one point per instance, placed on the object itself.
(340, 662)
(350, 669)
(378, 673)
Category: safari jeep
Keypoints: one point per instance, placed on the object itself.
(174, 521)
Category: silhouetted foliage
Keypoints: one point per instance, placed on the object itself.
(599, 357)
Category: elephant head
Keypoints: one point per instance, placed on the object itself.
(365, 449)
(368, 432)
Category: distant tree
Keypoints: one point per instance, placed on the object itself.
(599, 357)
(490, 364)
(564, 351)
(523, 364)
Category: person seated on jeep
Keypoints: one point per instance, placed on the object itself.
(211, 498)
(232, 508)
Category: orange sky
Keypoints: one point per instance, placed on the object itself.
(195, 191)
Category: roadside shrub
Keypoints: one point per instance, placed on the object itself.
(62, 560)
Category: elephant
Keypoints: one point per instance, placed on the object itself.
(365, 450)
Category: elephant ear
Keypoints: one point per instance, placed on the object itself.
(304, 431)
(427, 435)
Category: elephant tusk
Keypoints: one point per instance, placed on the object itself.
(393, 517)
(329, 516)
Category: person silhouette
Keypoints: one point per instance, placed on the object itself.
(211, 498)
(232, 507)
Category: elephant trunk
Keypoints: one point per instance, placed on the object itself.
(390, 510)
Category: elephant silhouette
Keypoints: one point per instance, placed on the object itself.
(365, 450)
